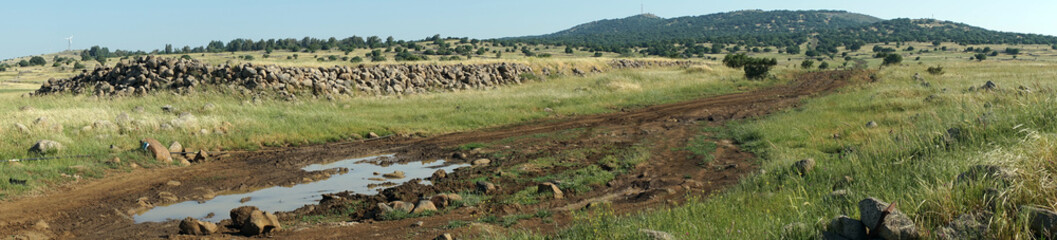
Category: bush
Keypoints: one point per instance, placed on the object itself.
(937, 70)
(78, 65)
(1012, 51)
(598, 54)
(185, 57)
(23, 63)
(356, 59)
(823, 66)
(980, 56)
(755, 68)
(892, 59)
(807, 64)
(37, 61)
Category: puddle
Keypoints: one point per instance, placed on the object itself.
(281, 198)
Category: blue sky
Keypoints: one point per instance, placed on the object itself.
(40, 26)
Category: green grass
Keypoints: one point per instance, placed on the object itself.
(453, 224)
(910, 158)
(397, 215)
(335, 215)
(702, 147)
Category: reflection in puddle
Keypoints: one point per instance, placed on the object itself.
(281, 198)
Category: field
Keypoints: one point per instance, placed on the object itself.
(598, 132)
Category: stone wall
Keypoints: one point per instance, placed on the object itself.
(144, 75)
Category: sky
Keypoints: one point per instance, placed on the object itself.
(41, 26)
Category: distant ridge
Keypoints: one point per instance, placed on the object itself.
(830, 28)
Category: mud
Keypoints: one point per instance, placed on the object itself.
(104, 208)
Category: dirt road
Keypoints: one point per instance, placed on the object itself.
(102, 209)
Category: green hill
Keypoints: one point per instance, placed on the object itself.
(826, 29)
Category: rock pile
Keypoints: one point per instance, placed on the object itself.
(150, 74)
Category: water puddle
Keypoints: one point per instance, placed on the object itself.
(279, 198)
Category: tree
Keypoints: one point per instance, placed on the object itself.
(1012, 51)
(168, 48)
(755, 68)
(356, 59)
(936, 43)
(568, 50)
(598, 54)
(892, 59)
(23, 63)
(37, 61)
(807, 64)
(823, 66)
(980, 56)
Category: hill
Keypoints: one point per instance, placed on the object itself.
(782, 28)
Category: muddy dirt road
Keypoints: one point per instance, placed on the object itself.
(104, 208)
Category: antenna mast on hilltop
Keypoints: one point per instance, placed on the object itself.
(69, 43)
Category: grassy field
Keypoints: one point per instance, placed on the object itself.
(88, 125)
(910, 158)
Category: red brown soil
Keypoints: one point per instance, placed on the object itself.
(101, 209)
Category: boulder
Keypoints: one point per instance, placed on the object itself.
(802, 167)
(158, 150)
(439, 174)
(260, 223)
(384, 208)
(402, 206)
(46, 147)
(481, 162)
(192, 226)
(486, 187)
(201, 156)
(445, 236)
(888, 223)
(241, 215)
(871, 124)
(424, 206)
(372, 135)
(21, 128)
(847, 227)
(989, 85)
(440, 200)
(167, 108)
(175, 147)
(550, 188)
(1042, 222)
(395, 174)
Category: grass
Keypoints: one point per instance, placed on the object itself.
(910, 158)
(335, 215)
(240, 124)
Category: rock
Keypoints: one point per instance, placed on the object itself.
(550, 188)
(21, 128)
(847, 227)
(384, 208)
(888, 224)
(201, 156)
(1042, 222)
(980, 172)
(460, 156)
(41, 121)
(173, 183)
(168, 197)
(402, 206)
(964, 227)
(548, 110)
(191, 226)
(241, 215)
(372, 135)
(245, 199)
(260, 223)
(123, 119)
(395, 174)
(138, 109)
(46, 147)
(417, 224)
(657, 235)
(440, 200)
(871, 124)
(114, 160)
(486, 187)
(175, 147)
(160, 153)
(41, 225)
(445, 236)
(802, 167)
(424, 206)
(989, 85)
(209, 107)
(439, 174)
(481, 162)
(453, 196)
(167, 108)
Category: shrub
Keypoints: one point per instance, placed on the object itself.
(937, 70)
(892, 59)
(807, 64)
(598, 54)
